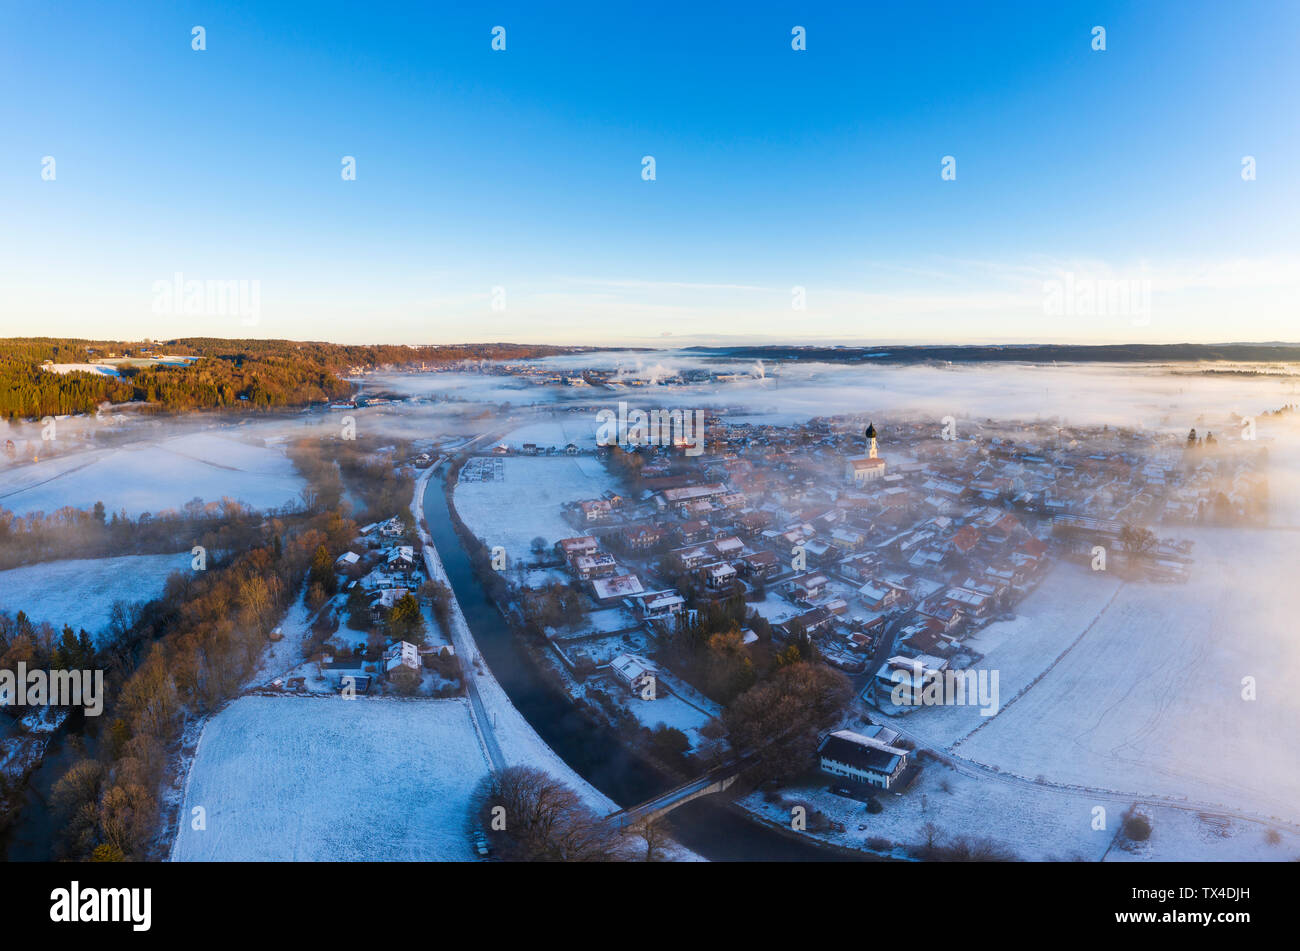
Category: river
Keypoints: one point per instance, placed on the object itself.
(30, 837)
(709, 829)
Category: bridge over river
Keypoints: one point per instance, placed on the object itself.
(714, 781)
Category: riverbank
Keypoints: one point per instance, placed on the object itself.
(710, 827)
(499, 723)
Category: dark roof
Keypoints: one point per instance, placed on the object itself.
(925, 640)
(840, 750)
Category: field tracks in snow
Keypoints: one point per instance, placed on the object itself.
(1046, 670)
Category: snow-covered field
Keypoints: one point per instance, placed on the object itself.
(98, 369)
(81, 591)
(527, 502)
(1034, 823)
(1178, 835)
(558, 432)
(328, 779)
(154, 476)
(1151, 699)
(1046, 623)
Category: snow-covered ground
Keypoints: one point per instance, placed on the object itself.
(81, 591)
(1034, 823)
(1046, 623)
(281, 658)
(154, 476)
(528, 502)
(668, 710)
(557, 432)
(98, 369)
(329, 779)
(1178, 835)
(1151, 699)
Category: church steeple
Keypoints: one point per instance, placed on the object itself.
(871, 435)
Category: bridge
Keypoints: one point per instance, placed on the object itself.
(714, 781)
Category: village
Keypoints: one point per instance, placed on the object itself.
(381, 629)
(654, 586)
(878, 550)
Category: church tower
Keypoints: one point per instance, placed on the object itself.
(862, 471)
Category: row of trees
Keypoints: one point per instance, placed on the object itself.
(40, 645)
(180, 657)
(70, 532)
(184, 655)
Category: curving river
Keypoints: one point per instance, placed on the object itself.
(711, 830)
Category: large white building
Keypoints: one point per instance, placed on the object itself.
(869, 758)
(862, 471)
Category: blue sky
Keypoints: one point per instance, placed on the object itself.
(775, 170)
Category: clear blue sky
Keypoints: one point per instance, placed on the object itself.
(775, 169)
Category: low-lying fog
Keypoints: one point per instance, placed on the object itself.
(144, 463)
(1170, 396)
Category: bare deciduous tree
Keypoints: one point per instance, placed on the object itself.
(532, 817)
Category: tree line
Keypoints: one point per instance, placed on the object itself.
(226, 374)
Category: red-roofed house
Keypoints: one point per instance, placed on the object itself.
(967, 537)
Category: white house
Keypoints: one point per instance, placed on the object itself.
(909, 675)
(615, 587)
(595, 509)
(872, 760)
(401, 654)
(719, 576)
(596, 565)
(571, 548)
(658, 604)
(402, 663)
(634, 672)
(402, 558)
(807, 587)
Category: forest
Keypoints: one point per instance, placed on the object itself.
(246, 375)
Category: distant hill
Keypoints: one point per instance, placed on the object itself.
(1027, 353)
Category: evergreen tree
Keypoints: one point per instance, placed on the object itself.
(405, 622)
